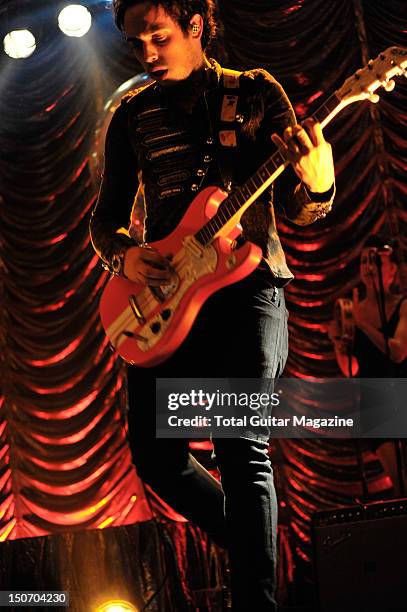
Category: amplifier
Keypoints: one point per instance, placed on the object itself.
(360, 557)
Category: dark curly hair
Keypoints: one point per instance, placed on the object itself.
(180, 10)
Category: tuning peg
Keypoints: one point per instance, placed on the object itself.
(389, 85)
(374, 98)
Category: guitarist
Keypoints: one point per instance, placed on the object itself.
(198, 125)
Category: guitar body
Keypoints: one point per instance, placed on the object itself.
(146, 325)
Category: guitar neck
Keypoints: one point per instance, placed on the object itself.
(233, 207)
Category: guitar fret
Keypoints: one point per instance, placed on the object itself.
(222, 214)
(226, 210)
(321, 113)
(326, 109)
(277, 160)
(204, 235)
(233, 205)
(209, 238)
(264, 173)
(241, 196)
(250, 186)
(199, 237)
(216, 222)
(245, 192)
(256, 181)
(332, 102)
(210, 232)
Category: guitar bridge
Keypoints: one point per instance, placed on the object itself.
(130, 334)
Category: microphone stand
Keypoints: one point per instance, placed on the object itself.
(359, 452)
(358, 447)
(381, 304)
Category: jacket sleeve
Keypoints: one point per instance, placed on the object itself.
(117, 191)
(291, 198)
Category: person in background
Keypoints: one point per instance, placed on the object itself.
(376, 350)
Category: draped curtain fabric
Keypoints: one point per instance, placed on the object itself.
(63, 457)
(311, 47)
(65, 463)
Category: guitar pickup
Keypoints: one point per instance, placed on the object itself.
(157, 293)
(193, 247)
(136, 309)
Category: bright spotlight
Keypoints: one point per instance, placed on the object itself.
(19, 44)
(75, 20)
(116, 606)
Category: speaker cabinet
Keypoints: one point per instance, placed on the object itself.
(360, 558)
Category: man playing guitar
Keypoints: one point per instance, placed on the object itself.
(198, 125)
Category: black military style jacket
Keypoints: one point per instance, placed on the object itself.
(168, 143)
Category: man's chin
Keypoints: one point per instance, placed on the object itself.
(168, 83)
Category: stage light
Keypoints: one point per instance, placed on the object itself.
(19, 44)
(75, 20)
(117, 605)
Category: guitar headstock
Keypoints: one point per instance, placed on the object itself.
(378, 73)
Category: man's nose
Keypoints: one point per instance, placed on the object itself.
(150, 53)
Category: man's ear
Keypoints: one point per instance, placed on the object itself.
(196, 25)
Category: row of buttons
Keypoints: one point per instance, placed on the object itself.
(201, 172)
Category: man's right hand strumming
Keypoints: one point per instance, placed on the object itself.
(145, 265)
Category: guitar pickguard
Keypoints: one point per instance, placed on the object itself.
(192, 262)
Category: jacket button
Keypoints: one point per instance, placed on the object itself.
(194, 187)
(207, 159)
(200, 172)
(209, 141)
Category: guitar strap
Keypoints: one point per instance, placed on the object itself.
(227, 122)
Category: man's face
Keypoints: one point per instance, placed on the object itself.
(166, 53)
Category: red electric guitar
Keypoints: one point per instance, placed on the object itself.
(145, 324)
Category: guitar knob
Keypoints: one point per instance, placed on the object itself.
(165, 315)
(389, 85)
(155, 327)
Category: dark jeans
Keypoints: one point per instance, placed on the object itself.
(240, 333)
